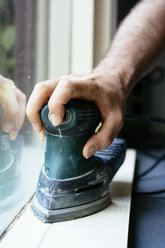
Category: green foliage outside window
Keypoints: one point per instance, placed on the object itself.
(7, 38)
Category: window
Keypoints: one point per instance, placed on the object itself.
(40, 40)
(20, 159)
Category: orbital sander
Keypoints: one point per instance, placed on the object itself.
(69, 185)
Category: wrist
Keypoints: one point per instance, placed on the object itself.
(124, 74)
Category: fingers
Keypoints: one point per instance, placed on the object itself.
(59, 97)
(66, 89)
(10, 107)
(104, 137)
(58, 92)
(13, 103)
(19, 118)
(106, 95)
(38, 98)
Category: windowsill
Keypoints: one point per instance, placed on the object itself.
(106, 228)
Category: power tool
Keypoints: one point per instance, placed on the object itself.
(69, 185)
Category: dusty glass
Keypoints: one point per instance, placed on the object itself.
(20, 151)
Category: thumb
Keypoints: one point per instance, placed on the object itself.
(104, 137)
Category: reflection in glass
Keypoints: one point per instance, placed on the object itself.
(20, 151)
(10, 174)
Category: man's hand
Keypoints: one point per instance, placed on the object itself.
(137, 47)
(12, 104)
(104, 90)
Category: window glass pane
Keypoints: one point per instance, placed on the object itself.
(21, 153)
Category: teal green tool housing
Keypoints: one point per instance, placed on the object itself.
(69, 185)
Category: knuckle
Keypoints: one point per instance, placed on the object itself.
(40, 86)
(91, 79)
(65, 83)
(69, 86)
(37, 86)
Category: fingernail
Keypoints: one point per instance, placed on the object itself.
(42, 136)
(90, 151)
(12, 135)
(8, 126)
(55, 119)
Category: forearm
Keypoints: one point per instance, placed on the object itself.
(138, 44)
(136, 48)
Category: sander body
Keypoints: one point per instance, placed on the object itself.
(69, 185)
